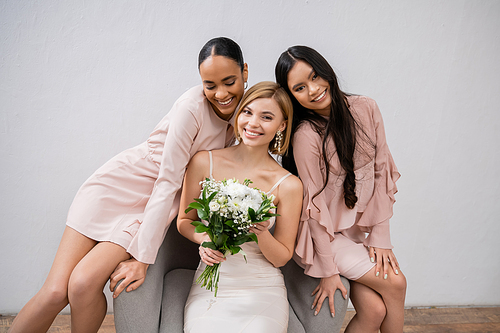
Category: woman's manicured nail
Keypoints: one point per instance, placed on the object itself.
(397, 272)
(316, 312)
(385, 277)
(312, 307)
(372, 259)
(378, 273)
(333, 314)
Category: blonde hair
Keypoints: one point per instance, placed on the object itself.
(269, 89)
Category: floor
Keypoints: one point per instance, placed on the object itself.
(429, 320)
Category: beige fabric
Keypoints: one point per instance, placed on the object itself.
(132, 199)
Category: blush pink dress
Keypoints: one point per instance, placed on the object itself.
(331, 237)
(132, 198)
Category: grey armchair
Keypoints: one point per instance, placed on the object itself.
(158, 305)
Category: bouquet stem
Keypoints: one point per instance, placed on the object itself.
(210, 278)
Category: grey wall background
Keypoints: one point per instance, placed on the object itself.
(83, 80)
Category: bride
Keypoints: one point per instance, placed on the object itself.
(251, 296)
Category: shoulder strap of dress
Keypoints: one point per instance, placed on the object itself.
(279, 182)
(211, 164)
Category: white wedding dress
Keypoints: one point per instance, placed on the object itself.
(251, 296)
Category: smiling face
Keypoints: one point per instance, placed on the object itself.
(310, 90)
(259, 121)
(223, 84)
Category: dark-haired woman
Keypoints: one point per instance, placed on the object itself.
(341, 155)
(124, 209)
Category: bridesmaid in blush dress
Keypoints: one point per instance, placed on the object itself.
(251, 296)
(122, 212)
(341, 155)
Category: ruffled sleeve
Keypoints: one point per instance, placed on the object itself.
(317, 224)
(183, 127)
(375, 217)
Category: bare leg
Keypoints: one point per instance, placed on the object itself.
(39, 313)
(393, 292)
(370, 310)
(86, 284)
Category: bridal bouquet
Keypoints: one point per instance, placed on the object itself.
(229, 209)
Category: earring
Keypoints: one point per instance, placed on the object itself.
(246, 85)
(238, 136)
(279, 139)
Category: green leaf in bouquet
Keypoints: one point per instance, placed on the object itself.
(234, 249)
(201, 228)
(210, 234)
(254, 238)
(197, 223)
(264, 208)
(202, 214)
(231, 226)
(210, 245)
(229, 231)
(218, 225)
(220, 240)
(193, 205)
(201, 202)
(212, 196)
(251, 213)
(240, 240)
(230, 223)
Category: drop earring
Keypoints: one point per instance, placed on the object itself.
(278, 141)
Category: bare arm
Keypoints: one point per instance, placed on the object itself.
(278, 248)
(191, 189)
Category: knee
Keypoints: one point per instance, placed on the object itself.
(372, 314)
(399, 284)
(377, 312)
(54, 295)
(396, 290)
(79, 287)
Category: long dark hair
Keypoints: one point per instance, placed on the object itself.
(222, 46)
(340, 125)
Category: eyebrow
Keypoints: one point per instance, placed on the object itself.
(264, 112)
(268, 112)
(298, 84)
(224, 79)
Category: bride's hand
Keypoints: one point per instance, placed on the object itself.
(258, 228)
(210, 257)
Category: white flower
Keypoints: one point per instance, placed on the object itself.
(234, 189)
(214, 206)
